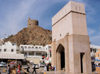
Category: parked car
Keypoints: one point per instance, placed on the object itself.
(3, 64)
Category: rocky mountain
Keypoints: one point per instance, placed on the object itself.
(33, 34)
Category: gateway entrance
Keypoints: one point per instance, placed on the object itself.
(61, 52)
(70, 40)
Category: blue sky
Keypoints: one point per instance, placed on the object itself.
(14, 15)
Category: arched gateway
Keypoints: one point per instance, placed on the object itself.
(61, 57)
(70, 41)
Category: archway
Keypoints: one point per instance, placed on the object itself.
(61, 57)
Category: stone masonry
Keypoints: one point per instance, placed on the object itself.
(70, 40)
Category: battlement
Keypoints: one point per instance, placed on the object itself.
(32, 23)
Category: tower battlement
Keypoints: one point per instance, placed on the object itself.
(32, 23)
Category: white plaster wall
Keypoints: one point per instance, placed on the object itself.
(8, 46)
(11, 56)
(8, 54)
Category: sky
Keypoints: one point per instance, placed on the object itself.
(15, 13)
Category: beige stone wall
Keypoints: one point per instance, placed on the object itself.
(62, 28)
(71, 6)
(70, 30)
(74, 45)
(79, 24)
(70, 19)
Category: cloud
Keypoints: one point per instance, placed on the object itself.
(95, 39)
(11, 23)
(91, 31)
(94, 36)
(14, 18)
(42, 10)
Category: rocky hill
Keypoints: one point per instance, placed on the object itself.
(33, 34)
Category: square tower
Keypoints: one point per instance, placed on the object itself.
(70, 41)
(32, 23)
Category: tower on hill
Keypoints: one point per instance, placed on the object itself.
(32, 23)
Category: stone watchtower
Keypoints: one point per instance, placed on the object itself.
(32, 23)
(70, 40)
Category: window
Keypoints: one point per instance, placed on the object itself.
(13, 44)
(49, 46)
(0, 50)
(12, 50)
(91, 49)
(98, 55)
(25, 46)
(29, 47)
(39, 47)
(95, 50)
(36, 47)
(4, 50)
(21, 46)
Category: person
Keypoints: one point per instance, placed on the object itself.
(47, 67)
(54, 68)
(8, 69)
(14, 70)
(19, 69)
(34, 69)
(28, 69)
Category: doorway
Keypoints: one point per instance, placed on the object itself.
(81, 61)
(62, 60)
(61, 56)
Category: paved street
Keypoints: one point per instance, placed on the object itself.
(66, 73)
(41, 71)
(1, 71)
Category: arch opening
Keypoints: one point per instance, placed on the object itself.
(61, 60)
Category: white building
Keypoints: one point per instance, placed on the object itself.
(35, 53)
(9, 51)
(94, 49)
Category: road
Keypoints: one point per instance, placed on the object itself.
(3, 70)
